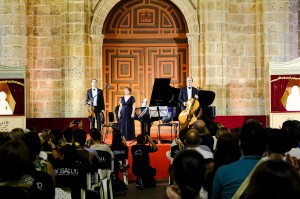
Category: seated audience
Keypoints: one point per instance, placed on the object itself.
(79, 140)
(188, 171)
(18, 173)
(14, 158)
(227, 151)
(206, 137)
(193, 141)
(292, 129)
(71, 171)
(4, 137)
(34, 147)
(277, 144)
(98, 145)
(228, 178)
(120, 151)
(16, 133)
(274, 179)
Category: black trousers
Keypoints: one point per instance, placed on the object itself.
(97, 119)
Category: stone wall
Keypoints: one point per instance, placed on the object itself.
(12, 33)
(235, 41)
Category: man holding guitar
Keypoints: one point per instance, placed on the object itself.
(95, 100)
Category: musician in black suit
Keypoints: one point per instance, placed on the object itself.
(95, 99)
(187, 93)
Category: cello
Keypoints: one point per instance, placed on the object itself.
(188, 115)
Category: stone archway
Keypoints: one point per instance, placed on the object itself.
(190, 14)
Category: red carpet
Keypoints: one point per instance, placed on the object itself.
(158, 159)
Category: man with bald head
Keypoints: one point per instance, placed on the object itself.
(193, 141)
(199, 125)
(207, 139)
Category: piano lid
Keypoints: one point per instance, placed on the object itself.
(165, 95)
(162, 92)
(206, 98)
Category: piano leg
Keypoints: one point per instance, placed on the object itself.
(145, 127)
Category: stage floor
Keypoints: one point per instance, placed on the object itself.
(158, 159)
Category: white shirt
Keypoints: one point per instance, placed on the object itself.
(94, 94)
(205, 154)
(189, 92)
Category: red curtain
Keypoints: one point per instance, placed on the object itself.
(278, 88)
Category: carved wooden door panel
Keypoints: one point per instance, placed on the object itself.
(144, 40)
(137, 67)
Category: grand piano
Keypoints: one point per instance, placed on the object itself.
(165, 95)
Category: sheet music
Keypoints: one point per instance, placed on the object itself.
(158, 111)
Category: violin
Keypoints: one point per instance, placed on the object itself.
(91, 110)
(188, 115)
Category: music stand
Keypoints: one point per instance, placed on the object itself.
(158, 111)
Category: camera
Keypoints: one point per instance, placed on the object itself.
(76, 121)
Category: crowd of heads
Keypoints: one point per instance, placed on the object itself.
(276, 177)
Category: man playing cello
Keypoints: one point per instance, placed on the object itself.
(188, 97)
(187, 93)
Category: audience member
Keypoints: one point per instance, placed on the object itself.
(79, 140)
(120, 151)
(193, 141)
(228, 178)
(44, 134)
(277, 144)
(188, 171)
(34, 145)
(274, 179)
(59, 138)
(141, 162)
(98, 145)
(71, 171)
(14, 168)
(236, 131)
(292, 129)
(4, 137)
(16, 133)
(227, 151)
(207, 139)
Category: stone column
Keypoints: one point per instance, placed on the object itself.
(44, 63)
(195, 70)
(95, 71)
(74, 59)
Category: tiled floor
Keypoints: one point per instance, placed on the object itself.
(159, 192)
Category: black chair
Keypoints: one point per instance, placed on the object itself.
(104, 164)
(167, 122)
(111, 123)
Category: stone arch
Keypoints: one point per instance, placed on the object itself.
(104, 6)
(190, 14)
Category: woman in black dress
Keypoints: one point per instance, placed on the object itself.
(126, 114)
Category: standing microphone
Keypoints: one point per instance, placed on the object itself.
(171, 100)
(142, 94)
(144, 103)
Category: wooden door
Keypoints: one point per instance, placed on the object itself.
(144, 40)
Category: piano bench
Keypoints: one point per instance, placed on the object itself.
(175, 125)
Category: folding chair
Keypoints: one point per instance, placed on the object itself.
(103, 180)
